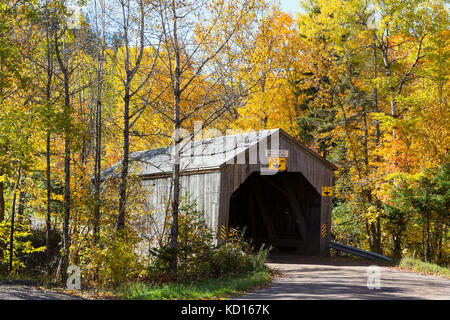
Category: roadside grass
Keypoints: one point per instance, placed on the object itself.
(419, 266)
(219, 288)
(350, 258)
(405, 264)
(29, 279)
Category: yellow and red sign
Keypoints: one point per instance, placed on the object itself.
(277, 163)
(327, 191)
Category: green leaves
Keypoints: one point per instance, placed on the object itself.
(420, 204)
(23, 247)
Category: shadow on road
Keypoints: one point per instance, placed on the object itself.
(335, 278)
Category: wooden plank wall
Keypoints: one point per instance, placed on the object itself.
(213, 189)
(299, 160)
(319, 175)
(202, 187)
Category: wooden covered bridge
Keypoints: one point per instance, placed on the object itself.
(265, 181)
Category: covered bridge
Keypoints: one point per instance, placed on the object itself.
(265, 181)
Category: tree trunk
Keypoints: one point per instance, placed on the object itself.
(11, 235)
(98, 150)
(64, 262)
(175, 209)
(397, 246)
(21, 206)
(49, 199)
(428, 253)
(442, 231)
(375, 97)
(369, 237)
(128, 94)
(97, 170)
(98, 123)
(67, 195)
(2, 214)
(176, 154)
(378, 235)
(377, 136)
(13, 216)
(176, 183)
(125, 162)
(48, 147)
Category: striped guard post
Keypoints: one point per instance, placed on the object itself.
(323, 231)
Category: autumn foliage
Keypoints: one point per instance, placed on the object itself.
(363, 83)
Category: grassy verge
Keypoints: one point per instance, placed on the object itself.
(204, 289)
(26, 279)
(419, 266)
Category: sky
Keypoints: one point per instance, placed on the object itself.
(290, 5)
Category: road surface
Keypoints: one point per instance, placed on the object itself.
(319, 278)
(23, 290)
(303, 278)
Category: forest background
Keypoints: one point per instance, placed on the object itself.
(362, 82)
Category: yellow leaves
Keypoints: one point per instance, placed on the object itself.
(57, 197)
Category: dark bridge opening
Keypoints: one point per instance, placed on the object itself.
(282, 210)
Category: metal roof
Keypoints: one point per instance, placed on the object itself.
(196, 155)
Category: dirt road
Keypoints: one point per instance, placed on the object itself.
(303, 278)
(22, 290)
(315, 278)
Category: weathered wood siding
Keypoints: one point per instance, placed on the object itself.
(318, 174)
(202, 187)
(213, 188)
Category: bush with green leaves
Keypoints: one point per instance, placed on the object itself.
(237, 255)
(199, 256)
(418, 214)
(114, 262)
(229, 258)
(23, 248)
(195, 243)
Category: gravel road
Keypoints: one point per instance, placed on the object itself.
(316, 278)
(24, 290)
(303, 278)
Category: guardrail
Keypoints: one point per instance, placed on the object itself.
(357, 252)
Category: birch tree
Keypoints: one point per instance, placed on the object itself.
(100, 29)
(134, 22)
(202, 55)
(66, 42)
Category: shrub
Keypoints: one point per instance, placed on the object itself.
(115, 263)
(36, 262)
(199, 257)
(228, 258)
(195, 246)
(23, 247)
(260, 258)
(237, 255)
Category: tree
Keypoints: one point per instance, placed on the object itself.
(100, 30)
(136, 16)
(201, 56)
(67, 43)
(14, 147)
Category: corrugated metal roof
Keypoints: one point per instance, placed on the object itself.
(195, 155)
